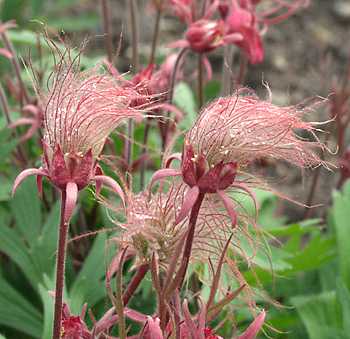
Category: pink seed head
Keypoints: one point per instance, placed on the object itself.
(243, 128)
(204, 35)
(81, 110)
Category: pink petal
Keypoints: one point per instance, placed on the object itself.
(189, 200)
(108, 181)
(24, 174)
(163, 173)
(71, 200)
(229, 207)
(254, 327)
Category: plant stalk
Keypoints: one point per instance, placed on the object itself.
(107, 28)
(134, 283)
(155, 37)
(200, 81)
(60, 269)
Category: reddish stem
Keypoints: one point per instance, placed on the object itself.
(60, 269)
(135, 282)
(189, 240)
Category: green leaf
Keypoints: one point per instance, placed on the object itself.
(17, 312)
(317, 312)
(340, 211)
(25, 207)
(89, 284)
(343, 295)
(12, 245)
(48, 302)
(184, 99)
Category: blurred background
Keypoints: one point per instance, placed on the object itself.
(306, 288)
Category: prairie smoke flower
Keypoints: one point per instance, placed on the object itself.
(80, 110)
(244, 18)
(74, 327)
(151, 227)
(229, 134)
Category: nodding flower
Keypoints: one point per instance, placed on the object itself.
(231, 133)
(242, 17)
(80, 110)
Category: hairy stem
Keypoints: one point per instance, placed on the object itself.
(135, 282)
(155, 37)
(8, 45)
(107, 28)
(200, 81)
(60, 269)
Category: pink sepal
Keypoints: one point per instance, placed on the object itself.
(171, 158)
(24, 174)
(71, 200)
(254, 327)
(229, 207)
(163, 173)
(189, 200)
(111, 183)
